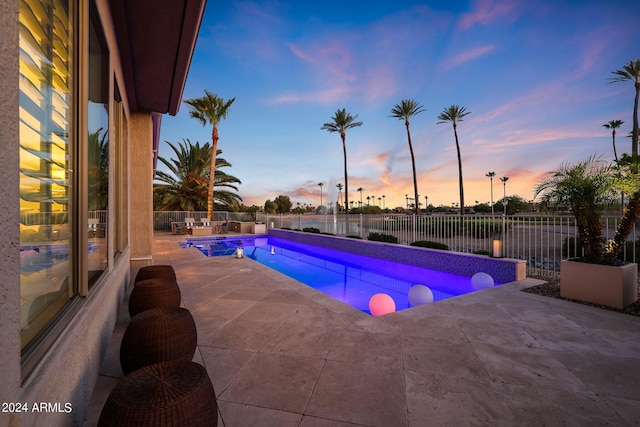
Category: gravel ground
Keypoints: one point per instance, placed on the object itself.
(552, 289)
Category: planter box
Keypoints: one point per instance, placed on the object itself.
(613, 286)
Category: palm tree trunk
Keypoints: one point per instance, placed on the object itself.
(455, 132)
(212, 171)
(626, 226)
(615, 153)
(413, 165)
(634, 139)
(346, 181)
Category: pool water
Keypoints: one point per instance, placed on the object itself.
(350, 278)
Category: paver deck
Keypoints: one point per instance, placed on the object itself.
(280, 353)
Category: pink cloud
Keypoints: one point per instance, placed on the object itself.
(465, 56)
(486, 12)
(328, 95)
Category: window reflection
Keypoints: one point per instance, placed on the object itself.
(98, 147)
(45, 123)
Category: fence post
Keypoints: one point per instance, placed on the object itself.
(414, 225)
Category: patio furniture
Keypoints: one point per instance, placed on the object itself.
(189, 223)
(153, 293)
(159, 271)
(158, 335)
(178, 228)
(167, 394)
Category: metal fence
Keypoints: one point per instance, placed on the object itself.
(543, 241)
(162, 220)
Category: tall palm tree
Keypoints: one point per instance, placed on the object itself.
(490, 175)
(341, 122)
(404, 111)
(210, 109)
(339, 186)
(185, 186)
(613, 125)
(631, 72)
(455, 114)
(321, 184)
(360, 190)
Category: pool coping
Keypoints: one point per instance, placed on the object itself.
(503, 270)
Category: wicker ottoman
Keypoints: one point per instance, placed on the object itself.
(154, 293)
(165, 272)
(158, 335)
(165, 394)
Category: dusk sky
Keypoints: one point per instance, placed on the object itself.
(533, 74)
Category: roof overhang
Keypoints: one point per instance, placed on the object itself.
(156, 40)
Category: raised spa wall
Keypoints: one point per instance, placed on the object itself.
(503, 270)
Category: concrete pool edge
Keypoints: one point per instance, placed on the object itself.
(503, 270)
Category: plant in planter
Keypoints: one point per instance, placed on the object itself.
(598, 276)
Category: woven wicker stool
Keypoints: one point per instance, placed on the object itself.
(165, 394)
(153, 293)
(158, 335)
(165, 272)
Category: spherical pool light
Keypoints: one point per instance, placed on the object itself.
(380, 304)
(420, 294)
(481, 281)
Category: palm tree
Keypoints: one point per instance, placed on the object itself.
(455, 114)
(613, 125)
(338, 204)
(320, 184)
(505, 201)
(631, 72)
(210, 109)
(186, 186)
(585, 187)
(342, 121)
(490, 175)
(360, 190)
(403, 111)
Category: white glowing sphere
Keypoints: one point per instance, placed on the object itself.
(380, 304)
(420, 294)
(481, 281)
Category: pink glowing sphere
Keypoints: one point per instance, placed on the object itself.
(380, 304)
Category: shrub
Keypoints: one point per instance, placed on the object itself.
(311, 230)
(353, 236)
(429, 244)
(381, 237)
(285, 228)
(481, 252)
(328, 234)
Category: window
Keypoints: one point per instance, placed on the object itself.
(46, 188)
(97, 148)
(121, 159)
(64, 163)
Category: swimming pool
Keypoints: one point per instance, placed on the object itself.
(350, 278)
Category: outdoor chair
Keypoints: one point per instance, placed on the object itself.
(178, 228)
(206, 222)
(154, 293)
(158, 335)
(166, 394)
(156, 271)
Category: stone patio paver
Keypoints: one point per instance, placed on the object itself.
(280, 353)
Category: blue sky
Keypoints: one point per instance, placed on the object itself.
(534, 76)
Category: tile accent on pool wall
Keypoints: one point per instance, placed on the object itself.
(503, 270)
